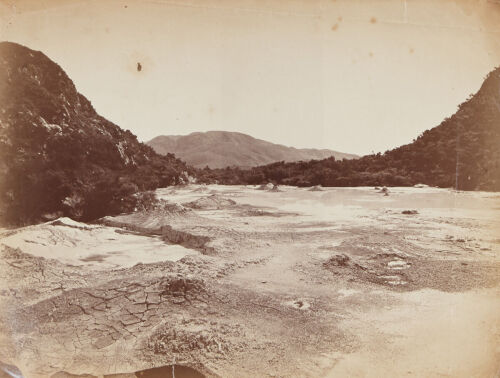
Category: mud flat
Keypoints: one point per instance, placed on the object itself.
(241, 282)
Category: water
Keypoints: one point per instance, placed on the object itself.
(170, 371)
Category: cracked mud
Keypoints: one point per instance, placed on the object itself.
(241, 282)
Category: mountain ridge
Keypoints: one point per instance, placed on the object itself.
(463, 152)
(219, 149)
(59, 157)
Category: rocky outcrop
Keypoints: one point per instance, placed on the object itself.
(186, 239)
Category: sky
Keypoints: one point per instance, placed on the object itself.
(357, 76)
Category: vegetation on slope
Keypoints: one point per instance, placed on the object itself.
(58, 156)
(462, 152)
(219, 149)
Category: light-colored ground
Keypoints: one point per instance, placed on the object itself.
(75, 243)
(292, 283)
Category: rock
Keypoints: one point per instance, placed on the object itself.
(409, 212)
(265, 186)
(338, 260)
(275, 189)
(213, 202)
(186, 239)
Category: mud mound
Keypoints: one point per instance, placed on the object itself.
(257, 213)
(265, 187)
(187, 288)
(275, 188)
(149, 222)
(337, 260)
(174, 209)
(384, 190)
(176, 340)
(342, 261)
(254, 211)
(409, 212)
(381, 270)
(212, 202)
(196, 338)
(316, 188)
(263, 213)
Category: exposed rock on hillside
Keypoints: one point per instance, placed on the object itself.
(57, 155)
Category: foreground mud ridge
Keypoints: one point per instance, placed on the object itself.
(241, 282)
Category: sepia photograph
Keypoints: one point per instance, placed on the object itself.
(249, 188)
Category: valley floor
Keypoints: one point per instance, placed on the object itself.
(240, 282)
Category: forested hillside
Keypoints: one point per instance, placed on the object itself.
(463, 151)
(58, 156)
(219, 149)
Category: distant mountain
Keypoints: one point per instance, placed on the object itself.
(219, 149)
(57, 155)
(462, 152)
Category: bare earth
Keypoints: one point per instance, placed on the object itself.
(241, 282)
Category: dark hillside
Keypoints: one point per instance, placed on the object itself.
(463, 151)
(57, 155)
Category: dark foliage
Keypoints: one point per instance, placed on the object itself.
(462, 152)
(58, 156)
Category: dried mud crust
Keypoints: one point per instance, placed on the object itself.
(389, 260)
(410, 273)
(269, 294)
(121, 309)
(164, 318)
(211, 237)
(212, 202)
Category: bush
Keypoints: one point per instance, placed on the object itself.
(147, 201)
